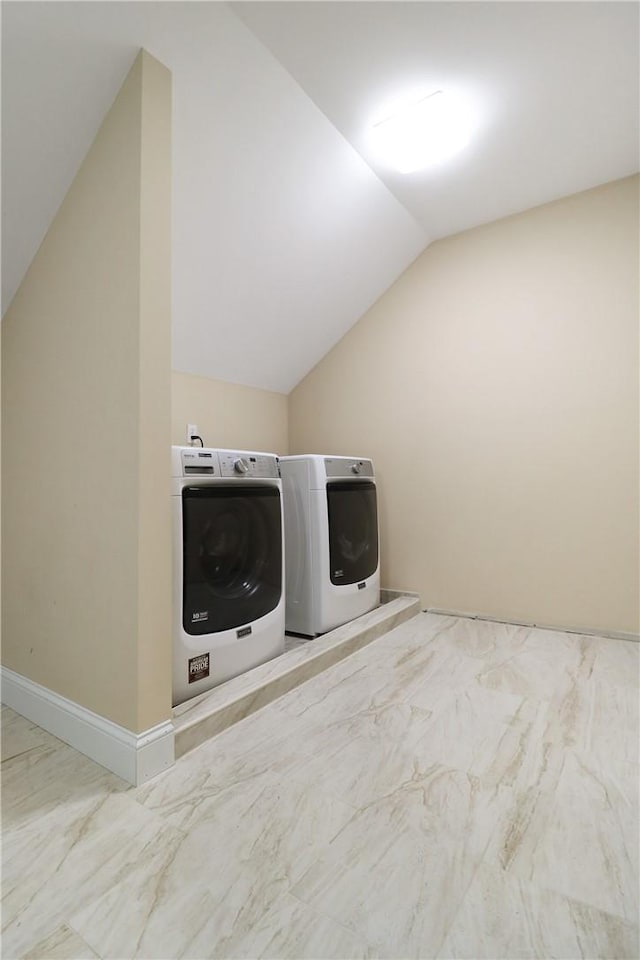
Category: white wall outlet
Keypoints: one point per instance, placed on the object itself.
(192, 431)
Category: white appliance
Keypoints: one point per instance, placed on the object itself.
(228, 565)
(331, 541)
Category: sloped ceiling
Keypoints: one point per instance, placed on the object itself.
(285, 228)
(556, 87)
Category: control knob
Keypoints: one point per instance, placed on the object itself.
(241, 465)
(355, 468)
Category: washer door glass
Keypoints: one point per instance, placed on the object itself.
(353, 530)
(232, 555)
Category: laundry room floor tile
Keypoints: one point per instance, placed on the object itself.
(63, 944)
(456, 788)
(507, 917)
(241, 850)
(20, 735)
(54, 864)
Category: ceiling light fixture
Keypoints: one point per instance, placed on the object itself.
(422, 132)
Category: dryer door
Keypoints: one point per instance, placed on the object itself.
(232, 555)
(353, 530)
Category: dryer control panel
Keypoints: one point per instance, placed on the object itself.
(344, 467)
(239, 464)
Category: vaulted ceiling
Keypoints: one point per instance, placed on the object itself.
(285, 227)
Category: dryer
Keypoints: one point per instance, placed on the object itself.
(331, 541)
(228, 565)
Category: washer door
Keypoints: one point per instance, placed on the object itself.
(353, 530)
(232, 556)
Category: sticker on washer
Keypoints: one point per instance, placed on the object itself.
(198, 667)
(338, 573)
(199, 616)
(243, 632)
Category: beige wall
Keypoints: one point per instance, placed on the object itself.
(496, 387)
(154, 397)
(229, 415)
(86, 424)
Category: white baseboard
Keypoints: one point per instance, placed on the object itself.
(136, 757)
(583, 631)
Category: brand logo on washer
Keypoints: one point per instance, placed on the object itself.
(338, 573)
(243, 632)
(198, 667)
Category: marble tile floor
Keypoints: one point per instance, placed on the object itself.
(456, 788)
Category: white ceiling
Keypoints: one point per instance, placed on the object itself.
(556, 87)
(285, 229)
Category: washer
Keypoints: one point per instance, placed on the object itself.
(331, 541)
(228, 569)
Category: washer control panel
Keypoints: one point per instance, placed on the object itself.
(240, 464)
(235, 464)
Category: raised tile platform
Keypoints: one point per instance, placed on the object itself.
(203, 717)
